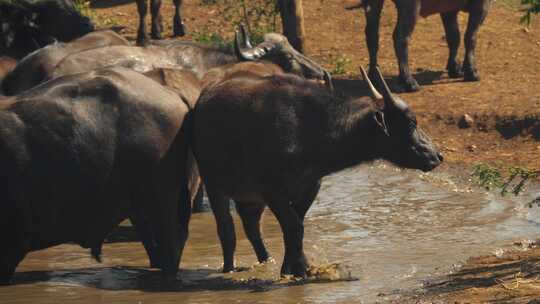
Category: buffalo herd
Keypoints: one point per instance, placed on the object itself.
(94, 131)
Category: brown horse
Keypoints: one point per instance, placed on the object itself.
(408, 13)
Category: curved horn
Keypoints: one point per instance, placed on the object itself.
(375, 95)
(388, 96)
(328, 81)
(245, 36)
(253, 53)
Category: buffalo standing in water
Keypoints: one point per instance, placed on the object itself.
(176, 55)
(37, 67)
(408, 12)
(277, 136)
(82, 152)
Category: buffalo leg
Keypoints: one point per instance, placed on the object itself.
(373, 16)
(294, 261)
(302, 204)
(162, 195)
(184, 215)
(407, 16)
(198, 204)
(451, 28)
(156, 29)
(225, 227)
(8, 264)
(178, 26)
(15, 228)
(477, 14)
(250, 214)
(142, 8)
(146, 235)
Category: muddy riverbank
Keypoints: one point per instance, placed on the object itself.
(375, 232)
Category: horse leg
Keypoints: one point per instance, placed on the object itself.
(408, 11)
(451, 29)
(179, 28)
(477, 14)
(156, 29)
(142, 8)
(373, 16)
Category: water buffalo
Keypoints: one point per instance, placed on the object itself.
(37, 66)
(28, 25)
(408, 12)
(157, 23)
(81, 153)
(191, 56)
(277, 136)
(186, 85)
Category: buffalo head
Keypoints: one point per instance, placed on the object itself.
(60, 19)
(277, 49)
(402, 141)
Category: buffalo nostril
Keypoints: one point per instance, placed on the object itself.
(439, 155)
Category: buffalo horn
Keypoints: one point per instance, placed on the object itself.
(245, 36)
(328, 81)
(253, 53)
(374, 93)
(388, 96)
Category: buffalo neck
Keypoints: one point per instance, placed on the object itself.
(353, 140)
(218, 57)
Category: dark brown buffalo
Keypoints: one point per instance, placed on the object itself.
(408, 13)
(27, 25)
(157, 22)
(188, 87)
(191, 56)
(37, 67)
(277, 136)
(81, 153)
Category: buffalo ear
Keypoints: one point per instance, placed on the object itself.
(378, 116)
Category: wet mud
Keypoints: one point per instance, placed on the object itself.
(373, 234)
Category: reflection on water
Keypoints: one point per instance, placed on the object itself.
(391, 229)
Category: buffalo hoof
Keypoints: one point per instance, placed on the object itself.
(6, 277)
(179, 30)
(297, 268)
(228, 268)
(471, 74)
(455, 70)
(155, 264)
(410, 84)
(96, 253)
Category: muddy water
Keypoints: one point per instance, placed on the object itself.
(391, 229)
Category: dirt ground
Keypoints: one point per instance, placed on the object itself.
(505, 103)
(511, 276)
(505, 106)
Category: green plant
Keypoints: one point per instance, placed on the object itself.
(83, 7)
(259, 16)
(205, 37)
(487, 177)
(340, 65)
(531, 7)
(515, 182)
